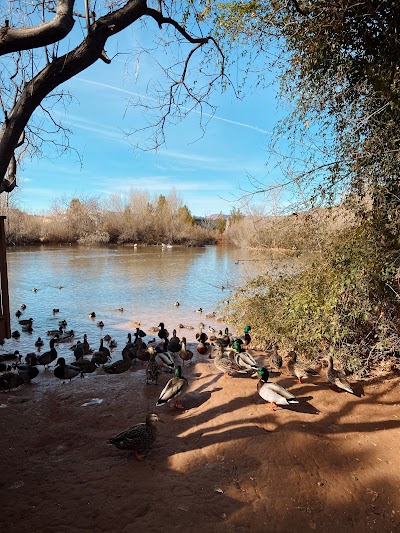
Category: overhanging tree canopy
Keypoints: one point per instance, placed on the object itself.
(38, 59)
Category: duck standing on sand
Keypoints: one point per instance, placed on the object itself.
(162, 332)
(226, 364)
(27, 372)
(120, 366)
(273, 393)
(175, 388)
(336, 377)
(48, 357)
(153, 370)
(138, 438)
(298, 369)
(185, 354)
(276, 359)
(64, 371)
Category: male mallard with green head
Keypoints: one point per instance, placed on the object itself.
(273, 393)
(175, 388)
(138, 438)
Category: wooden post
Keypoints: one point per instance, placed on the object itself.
(5, 329)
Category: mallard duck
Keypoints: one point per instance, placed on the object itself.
(176, 387)
(226, 364)
(246, 338)
(336, 377)
(184, 354)
(164, 359)
(203, 347)
(201, 334)
(10, 356)
(27, 372)
(298, 369)
(130, 348)
(120, 366)
(276, 359)
(222, 340)
(100, 324)
(174, 344)
(10, 380)
(152, 368)
(66, 336)
(58, 331)
(272, 392)
(138, 438)
(86, 346)
(39, 343)
(64, 371)
(85, 365)
(141, 353)
(48, 357)
(22, 306)
(26, 322)
(162, 332)
(31, 359)
(242, 357)
(92, 315)
(104, 349)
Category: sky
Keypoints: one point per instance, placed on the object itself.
(209, 170)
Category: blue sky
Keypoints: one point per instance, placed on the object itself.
(206, 169)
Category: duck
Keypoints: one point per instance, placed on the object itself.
(86, 366)
(66, 336)
(336, 377)
(163, 359)
(55, 310)
(25, 322)
(64, 371)
(226, 364)
(10, 356)
(199, 310)
(201, 333)
(141, 353)
(138, 438)
(153, 370)
(86, 346)
(174, 344)
(177, 304)
(246, 337)
(100, 324)
(139, 332)
(63, 323)
(222, 339)
(162, 332)
(298, 369)
(243, 358)
(27, 372)
(23, 307)
(10, 380)
(184, 354)
(130, 348)
(58, 331)
(203, 347)
(4, 367)
(276, 358)
(175, 387)
(92, 315)
(120, 309)
(273, 393)
(107, 337)
(211, 315)
(31, 359)
(39, 343)
(112, 344)
(16, 334)
(18, 313)
(104, 349)
(120, 366)
(48, 357)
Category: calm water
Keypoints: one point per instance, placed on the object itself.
(145, 281)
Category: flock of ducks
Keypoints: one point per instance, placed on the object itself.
(230, 355)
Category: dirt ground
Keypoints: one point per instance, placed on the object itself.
(227, 463)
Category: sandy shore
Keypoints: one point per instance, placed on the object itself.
(226, 463)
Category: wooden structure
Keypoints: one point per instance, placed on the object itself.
(5, 329)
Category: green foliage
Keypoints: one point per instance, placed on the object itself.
(347, 299)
